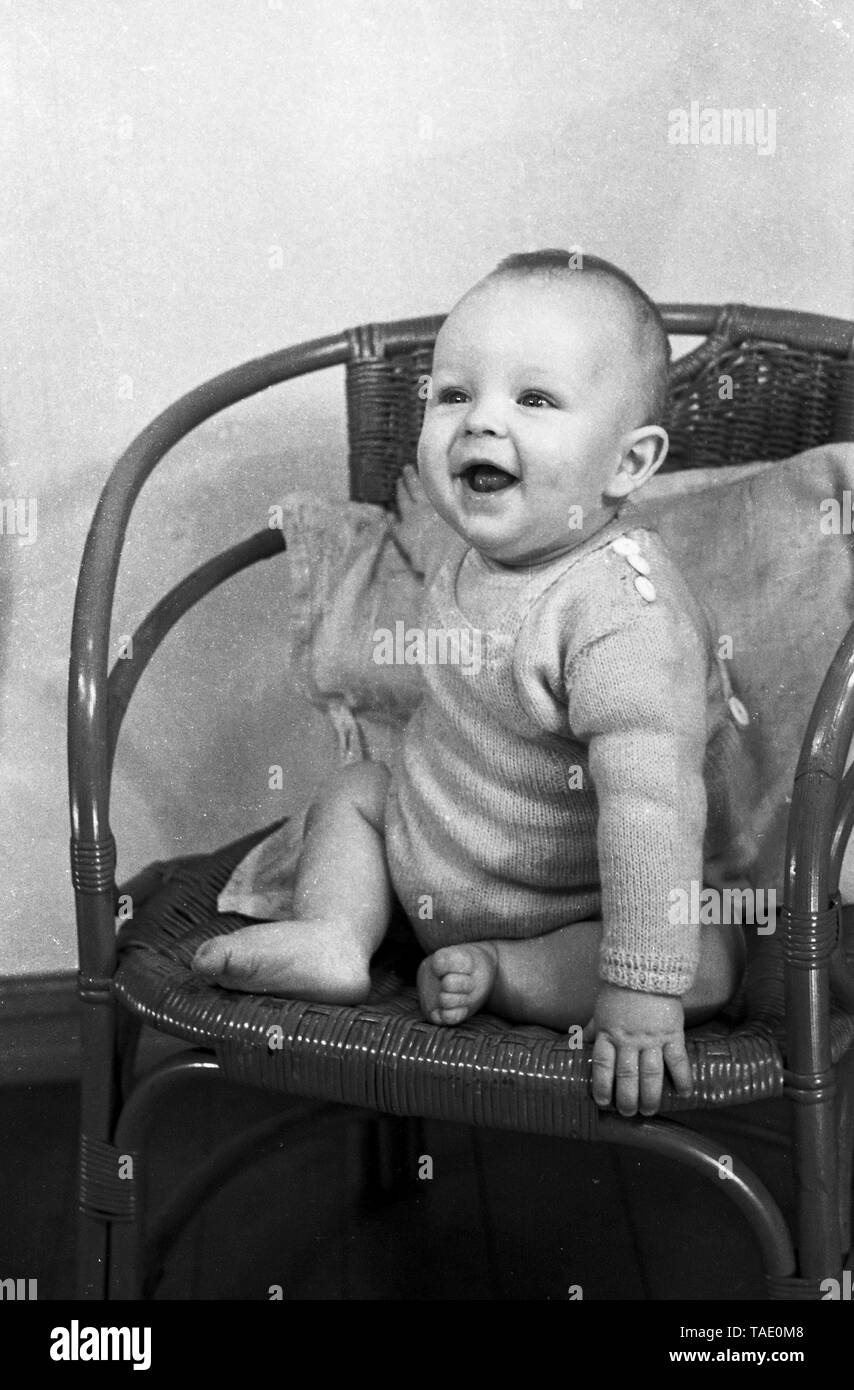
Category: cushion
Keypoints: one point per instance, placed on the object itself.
(766, 548)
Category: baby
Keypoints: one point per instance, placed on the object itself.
(548, 804)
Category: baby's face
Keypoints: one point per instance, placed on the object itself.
(533, 396)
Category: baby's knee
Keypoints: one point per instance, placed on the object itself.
(362, 787)
(367, 785)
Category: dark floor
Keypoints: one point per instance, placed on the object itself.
(504, 1217)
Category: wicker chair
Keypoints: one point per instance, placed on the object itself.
(794, 388)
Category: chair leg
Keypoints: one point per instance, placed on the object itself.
(138, 1247)
(126, 1273)
(98, 1098)
(209, 1177)
(392, 1146)
(815, 1140)
(845, 1148)
(742, 1185)
(128, 1034)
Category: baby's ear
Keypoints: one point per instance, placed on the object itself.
(644, 451)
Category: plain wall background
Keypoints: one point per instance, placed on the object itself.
(152, 156)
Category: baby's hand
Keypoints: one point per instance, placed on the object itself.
(411, 497)
(637, 1036)
(418, 528)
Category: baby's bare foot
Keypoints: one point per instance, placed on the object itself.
(456, 981)
(298, 960)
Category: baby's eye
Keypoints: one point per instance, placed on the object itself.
(534, 398)
(451, 395)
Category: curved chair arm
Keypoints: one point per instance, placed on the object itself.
(89, 745)
(811, 332)
(821, 812)
(821, 332)
(843, 828)
(841, 975)
(126, 674)
(810, 920)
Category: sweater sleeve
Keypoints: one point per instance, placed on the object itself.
(637, 698)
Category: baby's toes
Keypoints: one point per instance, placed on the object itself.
(445, 985)
(451, 960)
(453, 999)
(212, 958)
(453, 1014)
(456, 984)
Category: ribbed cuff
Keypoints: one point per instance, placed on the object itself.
(652, 975)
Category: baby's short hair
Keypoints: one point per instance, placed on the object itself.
(653, 344)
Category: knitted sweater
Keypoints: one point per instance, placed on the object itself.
(557, 769)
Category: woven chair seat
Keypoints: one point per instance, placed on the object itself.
(793, 379)
(382, 1055)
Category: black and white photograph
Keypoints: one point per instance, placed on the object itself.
(427, 668)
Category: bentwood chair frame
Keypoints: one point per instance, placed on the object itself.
(794, 388)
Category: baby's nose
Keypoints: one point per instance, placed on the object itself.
(484, 417)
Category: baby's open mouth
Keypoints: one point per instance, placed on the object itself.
(487, 477)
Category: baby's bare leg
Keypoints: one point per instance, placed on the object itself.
(554, 979)
(342, 904)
